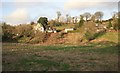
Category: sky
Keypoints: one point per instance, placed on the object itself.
(24, 11)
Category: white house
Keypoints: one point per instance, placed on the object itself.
(39, 27)
(69, 29)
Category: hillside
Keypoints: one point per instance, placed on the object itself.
(109, 36)
(88, 32)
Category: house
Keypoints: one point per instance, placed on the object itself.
(39, 27)
(50, 29)
(69, 29)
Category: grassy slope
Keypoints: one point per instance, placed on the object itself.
(65, 26)
(110, 36)
(95, 56)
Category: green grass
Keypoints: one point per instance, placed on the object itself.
(111, 36)
(85, 49)
(106, 47)
(93, 56)
(65, 26)
(47, 64)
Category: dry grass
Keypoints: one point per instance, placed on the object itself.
(27, 57)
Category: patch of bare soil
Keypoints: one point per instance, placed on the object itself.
(53, 39)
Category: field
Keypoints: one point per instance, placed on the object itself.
(100, 56)
(59, 36)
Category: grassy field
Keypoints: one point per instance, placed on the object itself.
(102, 56)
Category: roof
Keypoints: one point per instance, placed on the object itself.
(39, 25)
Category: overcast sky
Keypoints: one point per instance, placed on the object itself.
(23, 11)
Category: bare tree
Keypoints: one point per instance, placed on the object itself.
(58, 15)
(73, 20)
(32, 23)
(86, 15)
(99, 15)
(76, 20)
(118, 14)
(116, 20)
(93, 18)
(115, 14)
(67, 17)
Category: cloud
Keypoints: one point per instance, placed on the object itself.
(21, 0)
(29, 0)
(18, 16)
(81, 4)
(32, 0)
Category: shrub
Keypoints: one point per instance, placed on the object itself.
(100, 33)
(56, 24)
(36, 40)
(81, 22)
(74, 38)
(61, 35)
(23, 34)
(24, 39)
(116, 24)
(25, 30)
(97, 21)
(109, 24)
(89, 35)
(8, 33)
(39, 37)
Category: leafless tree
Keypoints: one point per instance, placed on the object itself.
(99, 15)
(76, 19)
(93, 18)
(73, 20)
(69, 18)
(86, 15)
(58, 15)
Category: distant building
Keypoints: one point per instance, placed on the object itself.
(69, 29)
(39, 27)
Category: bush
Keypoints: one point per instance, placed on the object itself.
(24, 39)
(61, 35)
(57, 24)
(89, 35)
(23, 34)
(24, 30)
(98, 34)
(81, 22)
(39, 37)
(54, 23)
(8, 33)
(116, 24)
(109, 24)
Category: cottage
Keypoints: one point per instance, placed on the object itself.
(39, 27)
